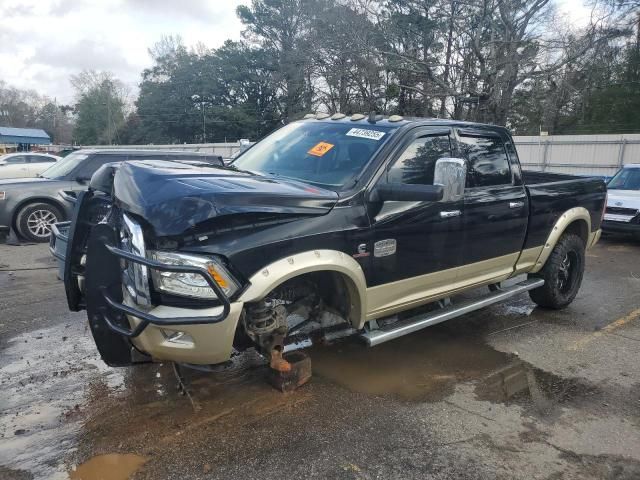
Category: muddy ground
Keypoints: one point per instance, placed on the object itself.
(509, 392)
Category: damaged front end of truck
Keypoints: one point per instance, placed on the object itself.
(149, 259)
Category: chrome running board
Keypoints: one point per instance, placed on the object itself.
(413, 324)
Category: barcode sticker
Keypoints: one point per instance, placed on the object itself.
(365, 133)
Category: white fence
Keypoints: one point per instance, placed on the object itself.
(225, 150)
(578, 154)
(573, 154)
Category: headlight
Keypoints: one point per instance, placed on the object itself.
(191, 284)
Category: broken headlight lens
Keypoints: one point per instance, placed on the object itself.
(191, 285)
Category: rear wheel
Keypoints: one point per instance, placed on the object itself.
(562, 273)
(34, 221)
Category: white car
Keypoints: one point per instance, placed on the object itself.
(25, 164)
(623, 201)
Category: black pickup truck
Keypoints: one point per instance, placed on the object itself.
(330, 226)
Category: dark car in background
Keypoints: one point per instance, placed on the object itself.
(31, 206)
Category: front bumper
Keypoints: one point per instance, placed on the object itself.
(209, 343)
(200, 336)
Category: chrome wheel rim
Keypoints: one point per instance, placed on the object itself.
(566, 272)
(39, 223)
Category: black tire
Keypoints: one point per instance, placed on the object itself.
(562, 274)
(34, 221)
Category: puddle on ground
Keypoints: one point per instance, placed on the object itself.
(519, 382)
(59, 403)
(43, 375)
(112, 466)
(424, 366)
(427, 365)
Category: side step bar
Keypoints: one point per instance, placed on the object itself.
(410, 325)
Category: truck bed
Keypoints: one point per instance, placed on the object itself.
(552, 194)
(535, 178)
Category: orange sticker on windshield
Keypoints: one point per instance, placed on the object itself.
(320, 149)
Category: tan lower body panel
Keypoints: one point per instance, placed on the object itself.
(401, 295)
(594, 237)
(211, 343)
(528, 259)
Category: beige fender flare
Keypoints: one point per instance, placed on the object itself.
(567, 218)
(278, 272)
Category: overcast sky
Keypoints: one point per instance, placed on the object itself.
(43, 42)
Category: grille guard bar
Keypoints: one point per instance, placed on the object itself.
(146, 318)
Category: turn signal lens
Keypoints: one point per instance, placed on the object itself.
(217, 277)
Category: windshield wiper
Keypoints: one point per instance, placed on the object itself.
(231, 166)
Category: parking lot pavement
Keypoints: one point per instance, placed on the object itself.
(508, 392)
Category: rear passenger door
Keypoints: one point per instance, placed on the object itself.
(495, 212)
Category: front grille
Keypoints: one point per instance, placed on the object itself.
(632, 212)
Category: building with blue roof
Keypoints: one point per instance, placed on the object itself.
(24, 136)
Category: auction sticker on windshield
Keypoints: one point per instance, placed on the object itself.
(365, 133)
(320, 149)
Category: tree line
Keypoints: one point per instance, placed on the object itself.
(509, 62)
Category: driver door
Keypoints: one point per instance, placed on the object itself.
(416, 246)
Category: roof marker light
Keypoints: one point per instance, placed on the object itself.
(309, 115)
(338, 116)
(396, 118)
(322, 116)
(357, 116)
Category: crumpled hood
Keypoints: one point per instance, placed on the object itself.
(173, 197)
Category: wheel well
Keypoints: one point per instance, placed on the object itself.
(337, 290)
(580, 228)
(30, 201)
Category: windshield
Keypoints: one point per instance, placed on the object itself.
(328, 154)
(64, 167)
(625, 179)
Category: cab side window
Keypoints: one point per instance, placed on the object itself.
(487, 162)
(416, 165)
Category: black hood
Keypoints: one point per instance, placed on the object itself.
(173, 197)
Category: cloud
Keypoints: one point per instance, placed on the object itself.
(200, 10)
(86, 53)
(47, 41)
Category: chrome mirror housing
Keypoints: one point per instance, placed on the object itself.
(451, 174)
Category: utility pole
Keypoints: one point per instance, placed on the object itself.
(109, 119)
(204, 124)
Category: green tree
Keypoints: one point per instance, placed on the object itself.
(99, 109)
(283, 29)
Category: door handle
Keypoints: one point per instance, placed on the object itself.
(450, 214)
(516, 204)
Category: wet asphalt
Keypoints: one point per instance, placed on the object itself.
(511, 391)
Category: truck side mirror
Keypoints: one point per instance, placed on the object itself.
(451, 175)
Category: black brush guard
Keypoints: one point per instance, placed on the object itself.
(102, 295)
(146, 318)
